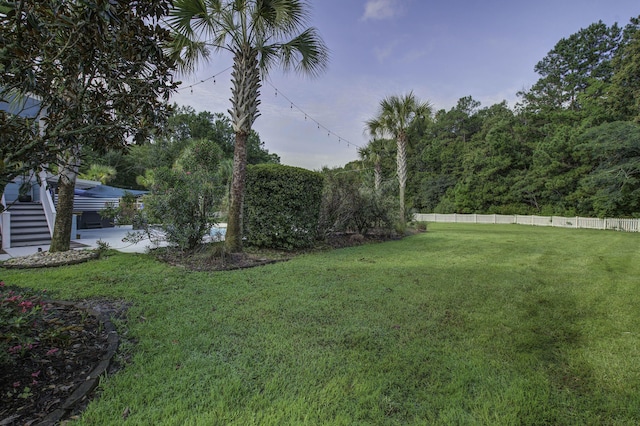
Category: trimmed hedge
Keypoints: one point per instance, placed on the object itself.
(281, 206)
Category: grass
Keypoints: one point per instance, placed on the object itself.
(466, 324)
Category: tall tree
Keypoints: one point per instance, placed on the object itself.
(624, 92)
(612, 187)
(98, 69)
(260, 35)
(573, 65)
(394, 117)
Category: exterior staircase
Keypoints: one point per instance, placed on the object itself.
(28, 225)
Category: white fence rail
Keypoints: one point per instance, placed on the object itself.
(627, 225)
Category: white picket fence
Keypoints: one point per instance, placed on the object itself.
(627, 225)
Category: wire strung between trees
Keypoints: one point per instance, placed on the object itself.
(292, 104)
(213, 77)
(308, 117)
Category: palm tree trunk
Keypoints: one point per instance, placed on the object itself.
(233, 236)
(245, 92)
(377, 176)
(402, 172)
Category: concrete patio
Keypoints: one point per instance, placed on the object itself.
(89, 239)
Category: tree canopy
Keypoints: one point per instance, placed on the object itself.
(569, 147)
(99, 73)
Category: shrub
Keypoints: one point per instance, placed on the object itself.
(184, 200)
(349, 206)
(21, 310)
(125, 213)
(281, 207)
(184, 204)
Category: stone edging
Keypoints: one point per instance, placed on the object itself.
(92, 380)
(39, 260)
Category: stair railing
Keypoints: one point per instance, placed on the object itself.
(47, 202)
(5, 225)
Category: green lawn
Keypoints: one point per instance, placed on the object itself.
(465, 324)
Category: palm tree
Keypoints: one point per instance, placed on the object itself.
(100, 172)
(260, 34)
(395, 115)
(372, 154)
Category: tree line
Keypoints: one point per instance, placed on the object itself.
(570, 146)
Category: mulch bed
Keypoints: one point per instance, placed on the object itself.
(56, 380)
(209, 257)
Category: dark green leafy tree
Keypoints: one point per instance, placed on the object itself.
(612, 188)
(183, 127)
(624, 93)
(260, 35)
(438, 155)
(99, 70)
(572, 65)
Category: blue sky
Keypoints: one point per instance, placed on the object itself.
(440, 50)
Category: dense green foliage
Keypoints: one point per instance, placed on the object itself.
(569, 147)
(464, 324)
(101, 78)
(186, 198)
(349, 205)
(282, 205)
(184, 126)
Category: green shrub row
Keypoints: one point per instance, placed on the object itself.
(281, 206)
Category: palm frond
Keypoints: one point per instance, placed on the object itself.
(186, 52)
(306, 53)
(188, 16)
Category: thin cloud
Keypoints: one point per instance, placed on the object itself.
(380, 9)
(415, 55)
(382, 53)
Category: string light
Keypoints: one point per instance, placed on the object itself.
(213, 77)
(292, 105)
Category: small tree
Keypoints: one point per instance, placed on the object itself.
(185, 199)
